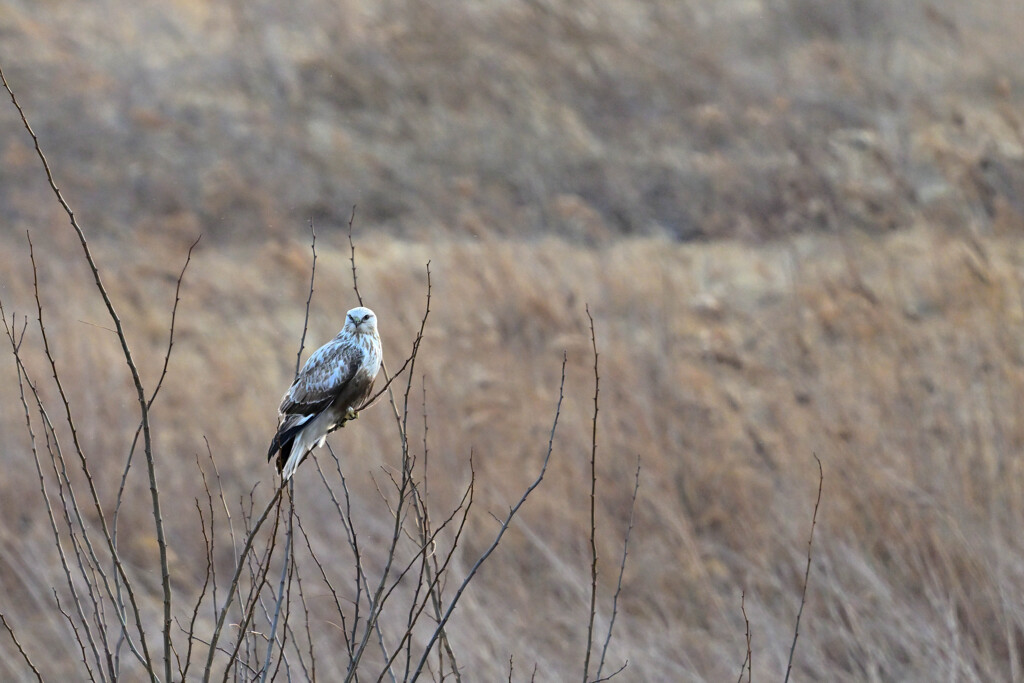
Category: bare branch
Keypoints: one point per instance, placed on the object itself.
(622, 568)
(174, 315)
(593, 492)
(748, 661)
(222, 616)
(21, 650)
(309, 300)
(409, 362)
(612, 674)
(208, 542)
(330, 587)
(262, 569)
(430, 541)
(807, 571)
(56, 455)
(78, 638)
(501, 530)
(311, 675)
(140, 391)
(285, 565)
(352, 248)
(403, 487)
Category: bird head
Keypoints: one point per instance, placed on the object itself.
(361, 321)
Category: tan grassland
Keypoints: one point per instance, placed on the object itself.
(725, 367)
(798, 225)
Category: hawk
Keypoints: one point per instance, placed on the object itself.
(332, 386)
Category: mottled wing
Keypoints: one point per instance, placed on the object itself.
(355, 393)
(325, 375)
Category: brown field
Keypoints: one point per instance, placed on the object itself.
(798, 225)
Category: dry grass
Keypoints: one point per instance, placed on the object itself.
(605, 137)
(725, 367)
(751, 118)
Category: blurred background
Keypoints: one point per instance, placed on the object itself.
(798, 224)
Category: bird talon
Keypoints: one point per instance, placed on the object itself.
(351, 414)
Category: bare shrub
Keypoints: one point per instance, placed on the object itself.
(390, 616)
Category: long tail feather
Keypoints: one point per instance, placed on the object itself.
(305, 441)
(297, 440)
(286, 435)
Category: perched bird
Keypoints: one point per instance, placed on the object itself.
(330, 389)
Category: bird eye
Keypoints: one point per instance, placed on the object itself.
(366, 317)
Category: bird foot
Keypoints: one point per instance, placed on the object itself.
(351, 414)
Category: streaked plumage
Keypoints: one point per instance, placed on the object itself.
(333, 384)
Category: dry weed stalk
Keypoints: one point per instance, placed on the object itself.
(807, 570)
(748, 659)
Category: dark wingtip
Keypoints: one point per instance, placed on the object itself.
(282, 445)
(275, 446)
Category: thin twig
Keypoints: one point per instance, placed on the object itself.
(748, 659)
(593, 521)
(501, 531)
(260, 571)
(69, 501)
(23, 379)
(309, 299)
(309, 634)
(140, 391)
(99, 327)
(286, 629)
(807, 571)
(227, 515)
(750, 655)
(21, 650)
(352, 248)
(259, 581)
(152, 398)
(437, 596)
(208, 543)
(78, 638)
(56, 456)
(622, 568)
(353, 543)
(362, 581)
(330, 587)
(612, 674)
(464, 505)
(285, 564)
(222, 616)
(375, 604)
(291, 488)
(174, 315)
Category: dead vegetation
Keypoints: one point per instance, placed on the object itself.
(749, 118)
(868, 154)
(724, 366)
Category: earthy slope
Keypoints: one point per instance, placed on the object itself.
(724, 367)
(743, 118)
(854, 172)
